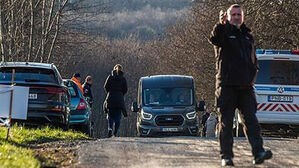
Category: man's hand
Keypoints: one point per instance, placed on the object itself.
(222, 17)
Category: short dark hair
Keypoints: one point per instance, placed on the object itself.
(77, 75)
(233, 6)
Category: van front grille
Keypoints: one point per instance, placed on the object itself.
(169, 120)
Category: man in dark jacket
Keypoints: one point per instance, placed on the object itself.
(87, 90)
(114, 105)
(236, 66)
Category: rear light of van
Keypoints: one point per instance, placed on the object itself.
(81, 105)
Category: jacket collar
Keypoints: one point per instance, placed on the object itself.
(243, 28)
(117, 74)
(88, 84)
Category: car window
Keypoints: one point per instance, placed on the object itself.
(72, 89)
(279, 72)
(28, 75)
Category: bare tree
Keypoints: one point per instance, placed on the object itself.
(3, 31)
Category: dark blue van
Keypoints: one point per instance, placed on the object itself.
(166, 105)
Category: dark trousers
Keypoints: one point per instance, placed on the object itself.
(228, 99)
(114, 117)
(204, 130)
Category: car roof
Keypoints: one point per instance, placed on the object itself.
(158, 81)
(270, 54)
(27, 64)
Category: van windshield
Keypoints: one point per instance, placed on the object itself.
(168, 97)
(279, 72)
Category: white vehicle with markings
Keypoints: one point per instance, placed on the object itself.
(277, 90)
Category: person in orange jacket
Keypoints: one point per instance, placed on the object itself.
(77, 79)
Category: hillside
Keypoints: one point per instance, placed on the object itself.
(121, 18)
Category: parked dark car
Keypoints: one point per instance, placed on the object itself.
(80, 109)
(166, 105)
(49, 98)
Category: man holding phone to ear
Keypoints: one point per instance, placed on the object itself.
(236, 67)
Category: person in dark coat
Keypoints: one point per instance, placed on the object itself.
(114, 105)
(87, 90)
(236, 66)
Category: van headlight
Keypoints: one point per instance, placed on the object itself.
(191, 115)
(146, 116)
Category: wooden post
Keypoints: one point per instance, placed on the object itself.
(11, 101)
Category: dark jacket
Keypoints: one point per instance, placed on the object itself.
(236, 63)
(116, 87)
(87, 92)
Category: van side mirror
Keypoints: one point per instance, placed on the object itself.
(201, 106)
(134, 107)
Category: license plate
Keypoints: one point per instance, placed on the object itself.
(32, 96)
(170, 129)
(277, 98)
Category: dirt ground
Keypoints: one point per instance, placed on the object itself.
(187, 152)
(58, 154)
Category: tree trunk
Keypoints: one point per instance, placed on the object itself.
(11, 30)
(61, 6)
(3, 32)
(31, 35)
(43, 32)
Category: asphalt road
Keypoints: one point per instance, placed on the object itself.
(185, 152)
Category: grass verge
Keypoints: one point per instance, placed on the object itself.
(18, 150)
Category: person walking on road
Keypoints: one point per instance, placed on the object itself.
(114, 105)
(204, 119)
(236, 67)
(77, 79)
(87, 90)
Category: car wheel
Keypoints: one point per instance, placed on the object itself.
(64, 127)
(88, 129)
